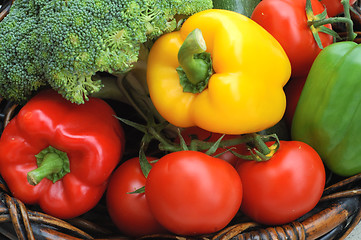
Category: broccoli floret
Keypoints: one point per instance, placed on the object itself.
(20, 67)
(63, 44)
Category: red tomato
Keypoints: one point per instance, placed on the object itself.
(285, 187)
(130, 212)
(195, 132)
(191, 193)
(286, 20)
(293, 91)
(334, 7)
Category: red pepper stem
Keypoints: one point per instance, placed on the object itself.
(196, 69)
(52, 164)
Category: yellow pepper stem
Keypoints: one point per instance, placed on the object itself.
(195, 63)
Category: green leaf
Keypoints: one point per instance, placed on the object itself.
(143, 161)
(316, 37)
(322, 15)
(215, 146)
(181, 140)
(135, 125)
(329, 32)
(139, 190)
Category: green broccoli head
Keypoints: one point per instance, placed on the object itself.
(64, 43)
(20, 66)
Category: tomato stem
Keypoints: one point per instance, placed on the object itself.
(317, 23)
(349, 23)
(195, 63)
(199, 145)
(165, 144)
(346, 6)
(259, 144)
(259, 151)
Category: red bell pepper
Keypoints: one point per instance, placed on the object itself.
(66, 151)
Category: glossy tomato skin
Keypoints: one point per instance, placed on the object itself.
(283, 188)
(191, 193)
(130, 212)
(334, 7)
(286, 20)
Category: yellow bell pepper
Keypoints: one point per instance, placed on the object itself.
(242, 92)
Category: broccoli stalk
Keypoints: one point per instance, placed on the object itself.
(65, 44)
(131, 87)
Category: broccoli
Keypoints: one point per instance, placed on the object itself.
(63, 44)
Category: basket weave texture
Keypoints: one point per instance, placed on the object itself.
(335, 216)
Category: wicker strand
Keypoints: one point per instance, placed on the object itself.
(18, 217)
(291, 231)
(49, 221)
(10, 113)
(342, 183)
(355, 221)
(234, 230)
(5, 8)
(27, 224)
(312, 228)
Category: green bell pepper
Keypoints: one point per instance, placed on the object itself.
(328, 114)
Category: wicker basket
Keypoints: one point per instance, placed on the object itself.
(335, 216)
